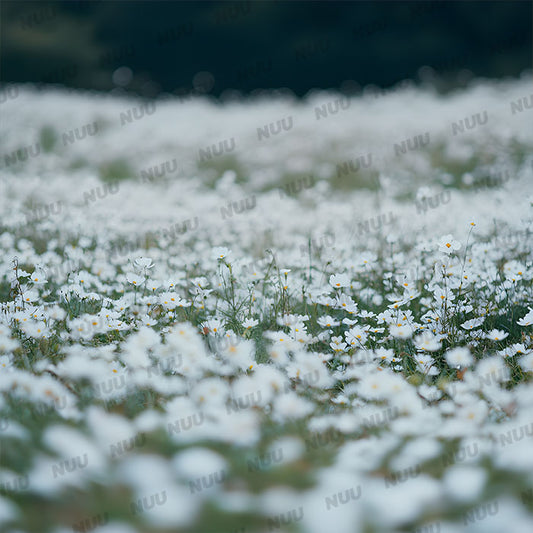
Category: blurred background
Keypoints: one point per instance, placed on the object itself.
(227, 48)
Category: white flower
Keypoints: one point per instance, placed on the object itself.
(339, 280)
(464, 483)
(427, 341)
(220, 252)
(197, 462)
(147, 337)
(240, 353)
(169, 299)
(474, 413)
(345, 302)
(143, 263)
(134, 279)
(473, 323)
(211, 391)
(492, 370)
(39, 276)
(373, 387)
(527, 320)
(35, 329)
(337, 344)
(329, 322)
(447, 244)
(291, 405)
(430, 393)
(279, 353)
(425, 364)
(357, 335)
(459, 356)
(30, 295)
(152, 285)
(6, 363)
(250, 323)
(526, 362)
(56, 312)
(401, 331)
(496, 335)
(7, 344)
(137, 346)
(147, 321)
(518, 348)
(310, 370)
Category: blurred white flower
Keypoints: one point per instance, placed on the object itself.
(403, 331)
(428, 342)
(459, 356)
(464, 483)
(338, 281)
(220, 252)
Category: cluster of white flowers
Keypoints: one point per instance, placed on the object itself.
(250, 367)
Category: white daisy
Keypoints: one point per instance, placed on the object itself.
(526, 320)
(496, 335)
(448, 245)
(338, 281)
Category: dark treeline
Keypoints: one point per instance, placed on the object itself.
(209, 47)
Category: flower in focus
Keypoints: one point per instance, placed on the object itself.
(328, 322)
(496, 335)
(250, 323)
(134, 279)
(527, 320)
(447, 244)
(39, 276)
(473, 323)
(143, 263)
(337, 344)
(220, 252)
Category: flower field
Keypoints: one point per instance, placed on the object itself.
(267, 315)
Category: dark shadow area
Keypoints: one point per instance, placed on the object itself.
(212, 47)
